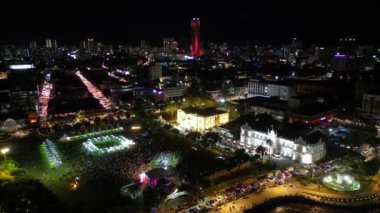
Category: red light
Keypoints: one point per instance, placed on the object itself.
(195, 37)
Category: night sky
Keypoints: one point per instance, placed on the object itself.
(237, 21)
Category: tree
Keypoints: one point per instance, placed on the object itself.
(261, 149)
(171, 109)
(194, 89)
(176, 131)
(128, 114)
(167, 127)
(225, 91)
(9, 171)
(194, 135)
(151, 197)
(97, 120)
(29, 195)
(241, 156)
(371, 168)
(270, 143)
(211, 138)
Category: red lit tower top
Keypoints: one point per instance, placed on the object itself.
(195, 37)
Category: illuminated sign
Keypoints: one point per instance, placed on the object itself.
(21, 66)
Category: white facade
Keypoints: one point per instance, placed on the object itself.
(197, 122)
(297, 149)
(265, 89)
(172, 93)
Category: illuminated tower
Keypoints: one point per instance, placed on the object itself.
(195, 33)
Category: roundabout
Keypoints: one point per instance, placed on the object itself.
(341, 182)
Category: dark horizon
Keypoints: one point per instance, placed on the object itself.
(130, 22)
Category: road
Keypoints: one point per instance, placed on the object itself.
(313, 193)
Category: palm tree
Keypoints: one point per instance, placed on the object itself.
(269, 143)
(261, 149)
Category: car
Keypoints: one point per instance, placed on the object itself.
(262, 182)
(280, 182)
(220, 197)
(287, 174)
(281, 176)
(252, 189)
(211, 202)
(263, 177)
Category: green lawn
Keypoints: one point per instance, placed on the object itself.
(106, 143)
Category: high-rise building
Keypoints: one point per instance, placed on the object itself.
(33, 45)
(155, 71)
(270, 89)
(170, 45)
(143, 45)
(371, 106)
(195, 37)
(90, 46)
(8, 52)
(347, 45)
(51, 43)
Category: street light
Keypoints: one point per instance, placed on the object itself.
(4, 151)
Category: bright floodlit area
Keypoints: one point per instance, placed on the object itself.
(107, 144)
(165, 160)
(341, 182)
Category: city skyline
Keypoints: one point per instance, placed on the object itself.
(192, 106)
(116, 23)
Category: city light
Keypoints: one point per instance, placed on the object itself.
(338, 55)
(99, 144)
(21, 66)
(165, 160)
(4, 151)
(45, 97)
(74, 184)
(96, 93)
(52, 153)
(135, 127)
(91, 134)
(142, 177)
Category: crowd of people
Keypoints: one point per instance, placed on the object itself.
(121, 165)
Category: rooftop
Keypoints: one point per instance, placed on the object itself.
(273, 103)
(314, 111)
(290, 131)
(313, 138)
(287, 82)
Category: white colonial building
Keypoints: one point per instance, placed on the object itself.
(304, 149)
(269, 89)
(196, 119)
